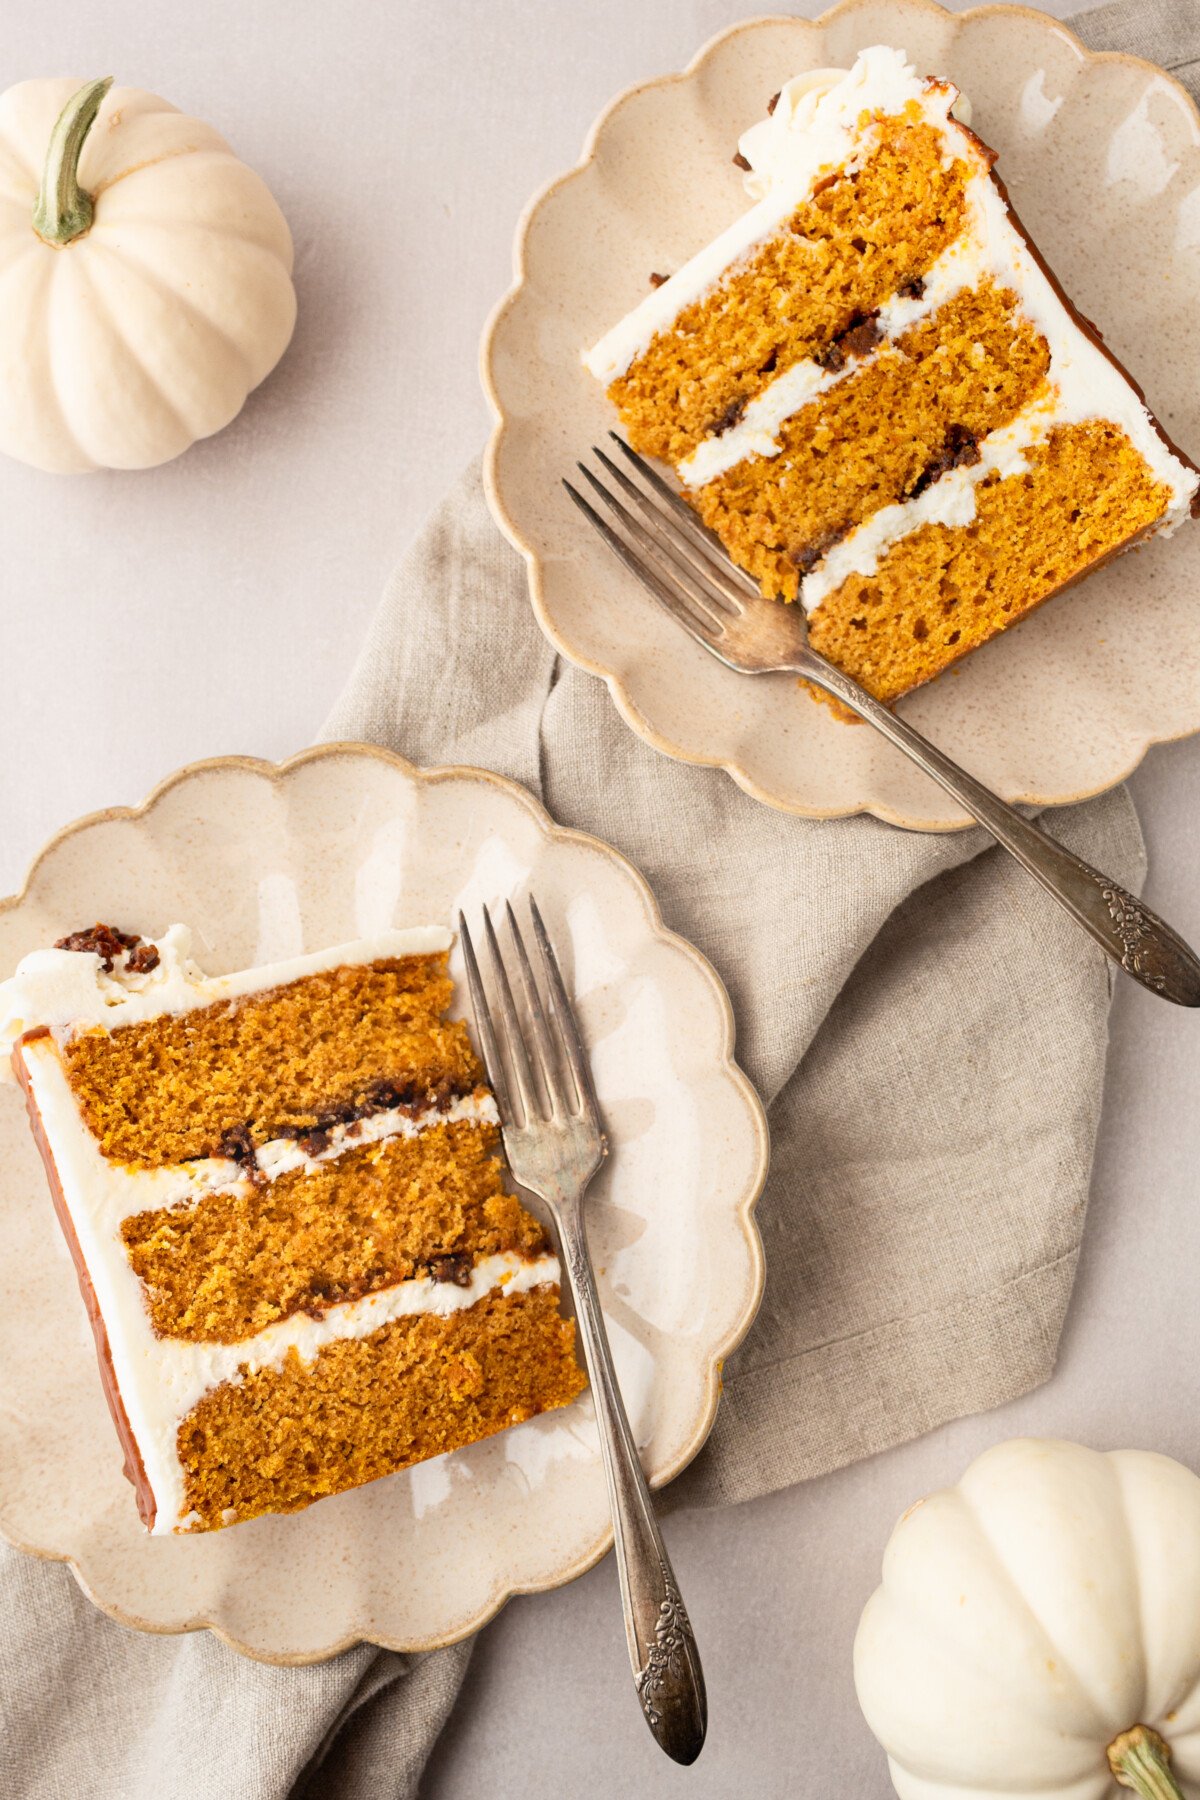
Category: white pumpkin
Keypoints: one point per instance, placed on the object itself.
(154, 290)
(1032, 1615)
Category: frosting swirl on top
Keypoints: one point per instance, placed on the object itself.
(61, 986)
(779, 146)
(69, 989)
(813, 128)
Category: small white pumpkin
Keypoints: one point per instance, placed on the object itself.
(1037, 1632)
(145, 278)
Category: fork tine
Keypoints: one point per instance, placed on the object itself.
(564, 1018)
(560, 1101)
(704, 539)
(493, 1062)
(699, 595)
(710, 607)
(665, 531)
(509, 1019)
(667, 598)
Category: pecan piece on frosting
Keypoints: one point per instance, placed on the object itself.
(106, 941)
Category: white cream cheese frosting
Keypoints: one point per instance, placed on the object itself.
(283, 1155)
(69, 989)
(113, 1193)
(773, 146)
(756, 432)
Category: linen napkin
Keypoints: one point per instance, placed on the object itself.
(917, 1271)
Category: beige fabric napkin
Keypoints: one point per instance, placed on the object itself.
(928, 1031)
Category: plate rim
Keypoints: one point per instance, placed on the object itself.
(744, 1212)
(621, 696)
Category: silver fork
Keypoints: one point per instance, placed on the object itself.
(687, 570)
(554, 1151)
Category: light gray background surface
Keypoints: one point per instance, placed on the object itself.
(216, 604)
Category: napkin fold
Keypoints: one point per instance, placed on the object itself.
(927, 1029)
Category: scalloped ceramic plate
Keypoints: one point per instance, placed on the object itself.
(265, 863)
(1101, 155)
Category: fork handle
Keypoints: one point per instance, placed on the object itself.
(662, 1649)
(1134, 936)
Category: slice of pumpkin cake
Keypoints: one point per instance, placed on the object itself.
(282, 1194)
(874, 391)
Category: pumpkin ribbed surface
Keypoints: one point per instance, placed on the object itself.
(1028, 1616)
(122, 347)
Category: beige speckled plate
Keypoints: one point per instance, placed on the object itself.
(1101, 155)
(265, 863)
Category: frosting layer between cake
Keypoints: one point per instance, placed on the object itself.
(68, 990)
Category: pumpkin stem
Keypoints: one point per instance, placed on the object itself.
(1140, 1759)
(62, 210)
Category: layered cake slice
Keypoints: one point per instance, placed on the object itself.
(282, 1194)
(875, 392)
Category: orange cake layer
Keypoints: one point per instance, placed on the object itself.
(280, 1439)
(229, 1265)
(878, 436)
(841, 254)
(940, 593)
(271, 1063)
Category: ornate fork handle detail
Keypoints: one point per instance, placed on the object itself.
(664, 1657)
(1143, 953)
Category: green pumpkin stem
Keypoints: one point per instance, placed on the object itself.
(62, 210)
(1141, 1759)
